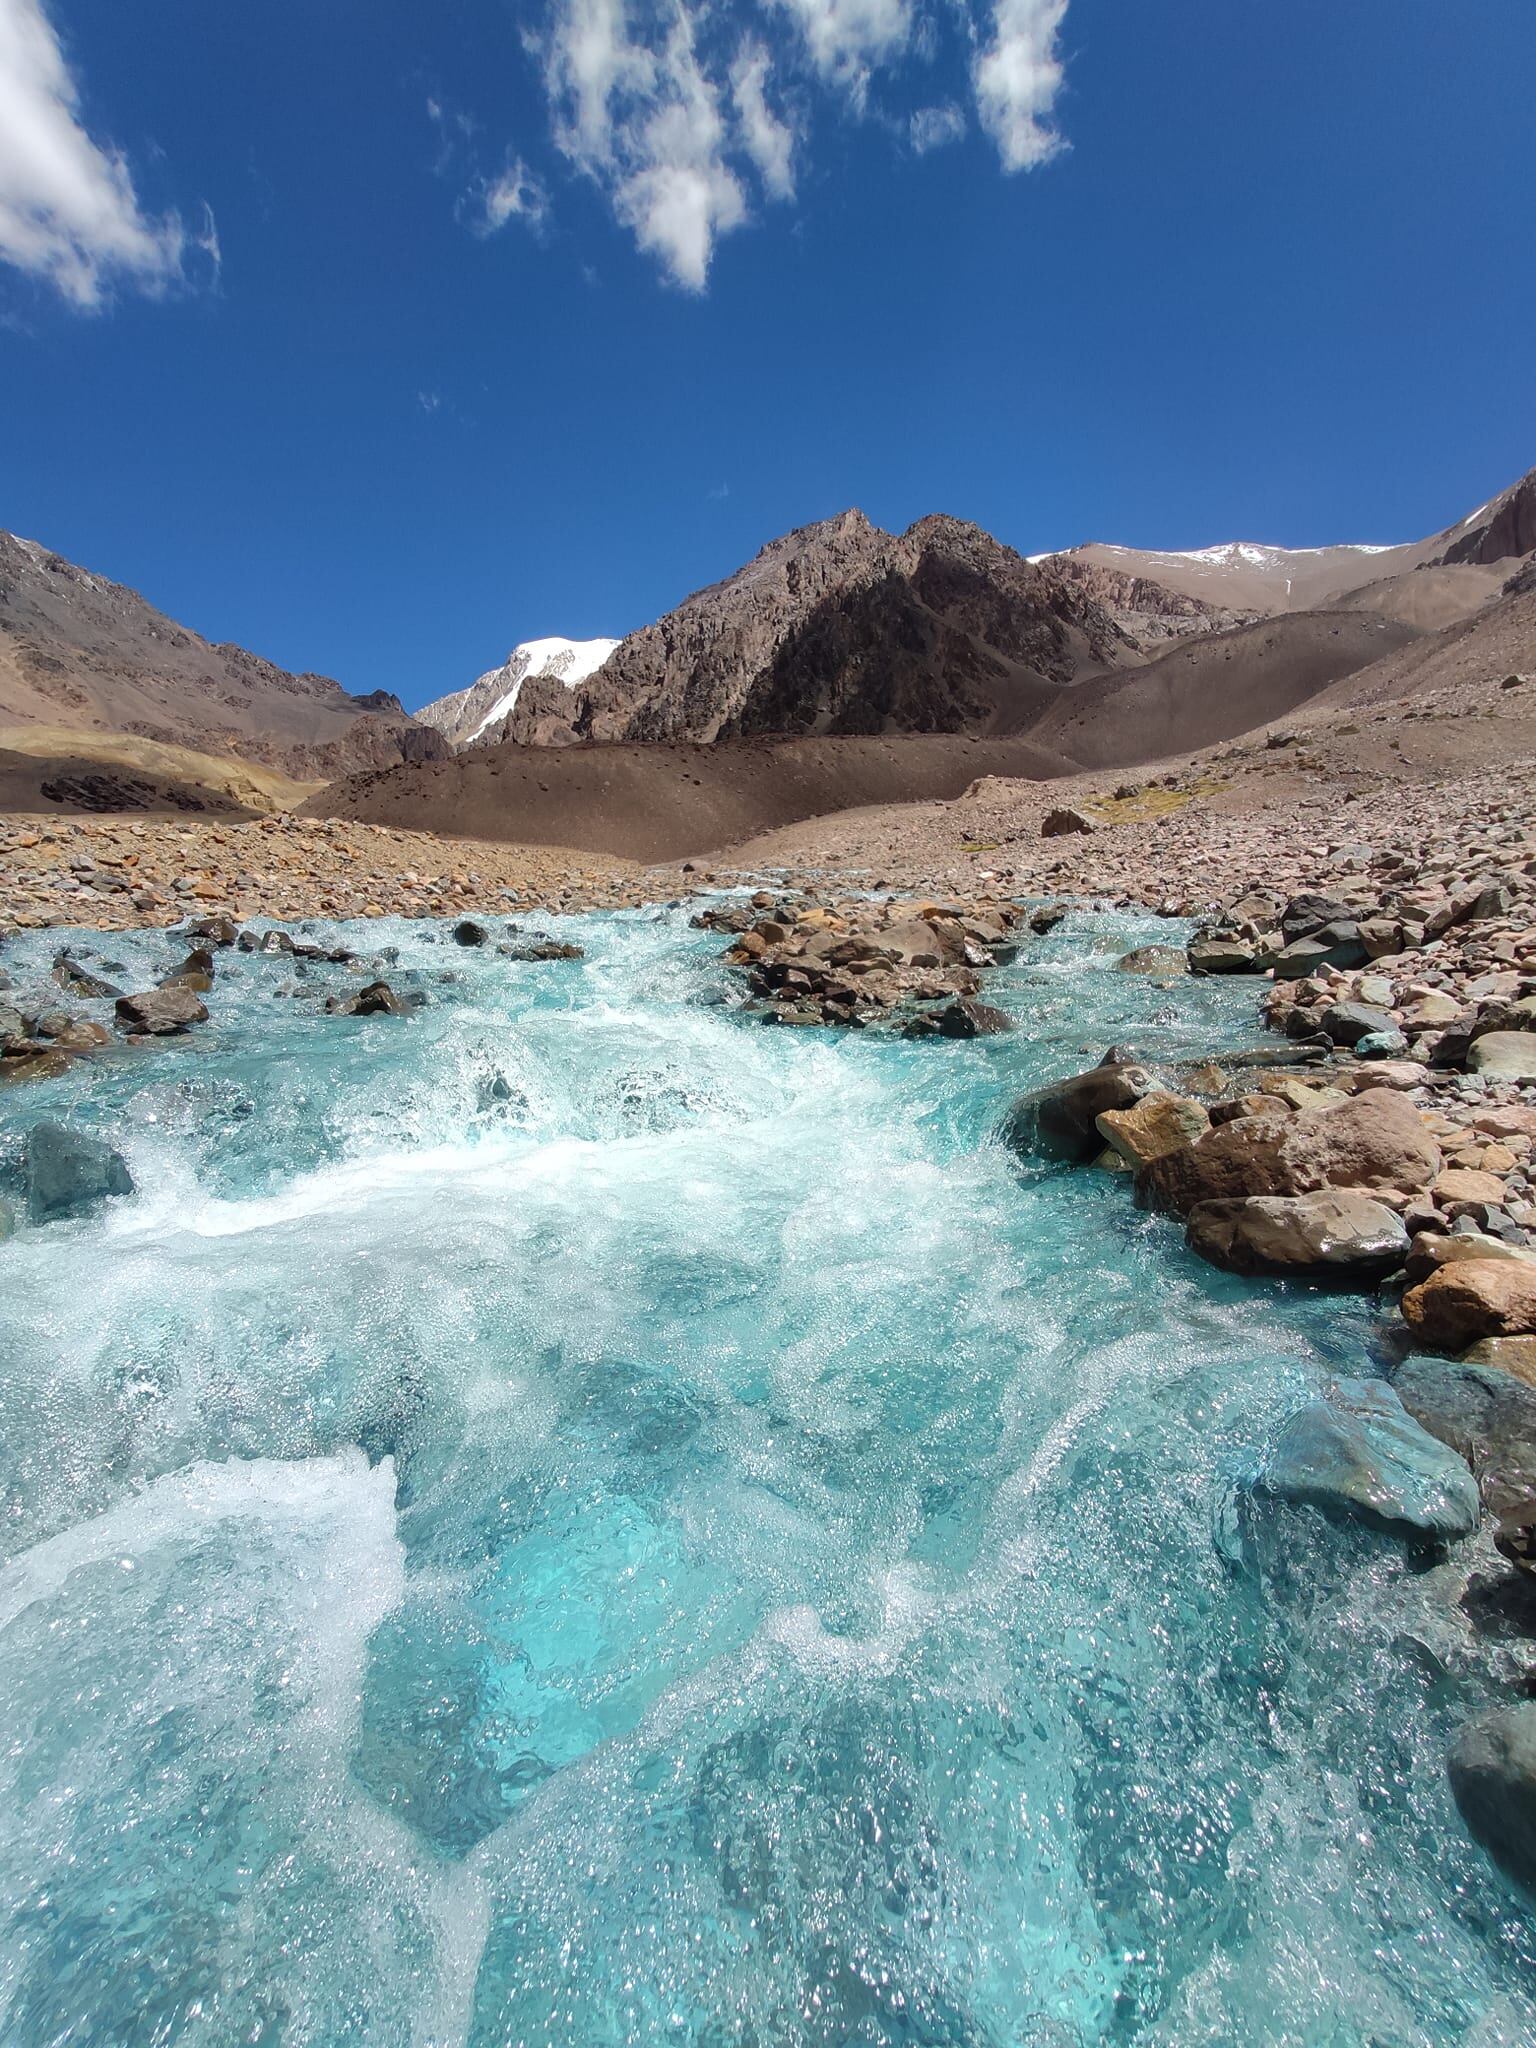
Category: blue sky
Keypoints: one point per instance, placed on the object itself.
(379, 336)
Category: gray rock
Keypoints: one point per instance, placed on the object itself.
(1339, 1232)
(7, 1220)
(1493, 1775)
(1381, 1045)
(1482, 1413)
(1346, 1023)
(1058, 1121)
(1336, 945)
(1222, 956)
(966, 1018)
(1056, 824)
(1357, 1452)
(468, 933)
(1309, 912)
(1504, 1055)
(1154, 960)
(69, 1174)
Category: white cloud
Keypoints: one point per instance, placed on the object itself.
(1017, 78)
(515, 195)
(933, 127)
(69, 214)
(637, 112)
(768, 140)
(677, 113)
(845, 39)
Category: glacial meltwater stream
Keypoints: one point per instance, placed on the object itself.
(574, 1518)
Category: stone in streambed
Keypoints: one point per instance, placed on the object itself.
(1157, 1124)
(161, 1012)
(1059, 1121)
(1493, 1775)
(1486, 1416)
(467, 932)
(1374, 1140)
(70, 1174)
(7, 1220)
(1154, 960)
(1462, 1303)
(1514, 1355)
(1222, 956)
(1359, 1453)
(1341, 1232)
(966, 1018)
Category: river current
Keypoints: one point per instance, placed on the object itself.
(576, 1518)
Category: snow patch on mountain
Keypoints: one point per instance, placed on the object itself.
(466, 716)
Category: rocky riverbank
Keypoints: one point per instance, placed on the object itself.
(113, 873)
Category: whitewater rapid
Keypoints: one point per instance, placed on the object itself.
(574, 1517)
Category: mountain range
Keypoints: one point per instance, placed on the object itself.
(837, 632)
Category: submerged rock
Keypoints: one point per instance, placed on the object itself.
(542, 949)
(1154, 960)
(1493, 1775)
(70, 1174)
(1059, 1121)
(1485, 1415)
(467, 932)
(1358, 1452)
(963, 1018)
(7, 1220)
(1340, 1232)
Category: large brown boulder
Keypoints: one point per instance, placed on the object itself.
(1475, 1298)
(1059, 1121)
(1157, 1124)
(1373, 1140)
(1344, 1233)
(161, 1012)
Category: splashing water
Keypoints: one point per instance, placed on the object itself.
(575, 1518)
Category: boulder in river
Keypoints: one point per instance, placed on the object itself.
(1222, 956)
(1372, 1140)
(378, 999)
(469, 932)
(1358, 1452)
(1154, 960)
(1159, 1123)
(70, 1174)
(1493, 1775)
(1332, 1231)
(161, 1012)
(1059, 1121)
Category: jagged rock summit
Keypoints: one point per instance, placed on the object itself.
(842, 628)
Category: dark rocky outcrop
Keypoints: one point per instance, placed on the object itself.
(1060, 1121)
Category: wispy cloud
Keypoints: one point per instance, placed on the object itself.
(684, 111)
(515, 194)
(933, 127)
(69, 214)
(1017, 77)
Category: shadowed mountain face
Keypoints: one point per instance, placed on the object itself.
(842, 628)
(89, 656)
